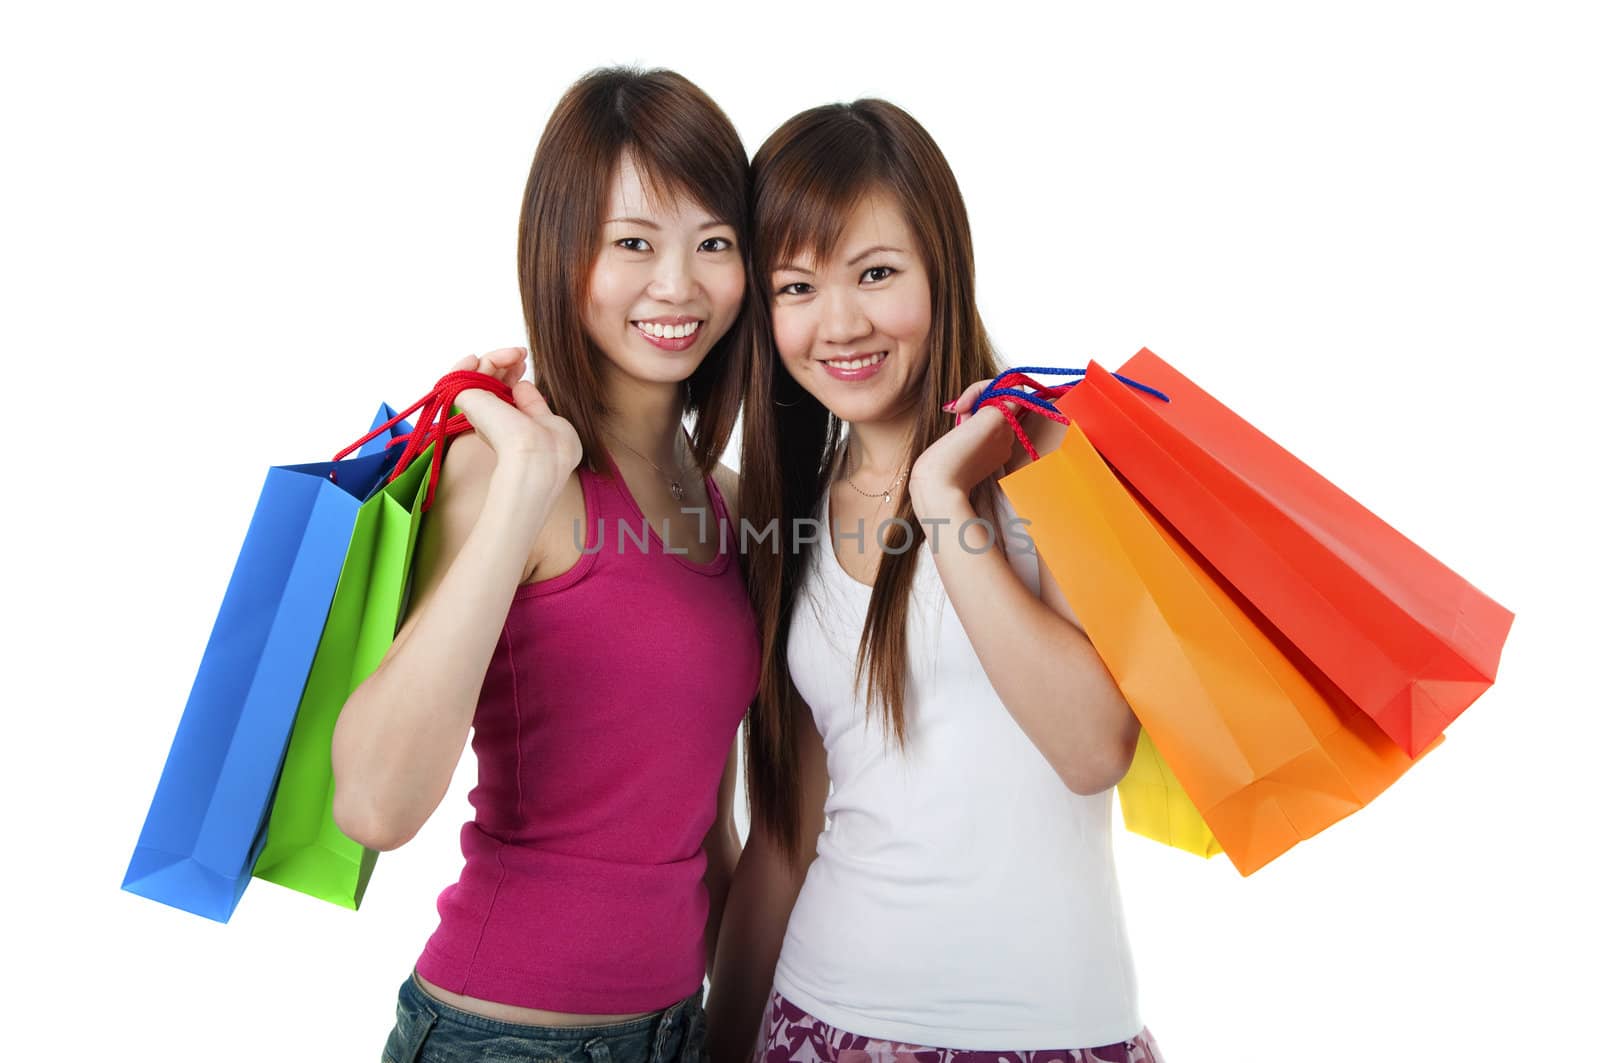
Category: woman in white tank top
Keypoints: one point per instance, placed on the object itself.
(932, 750)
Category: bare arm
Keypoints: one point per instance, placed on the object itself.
(402, 731)
(764, 890)
(1039, 661)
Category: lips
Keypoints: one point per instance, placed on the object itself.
(670, 333)
(856, 367)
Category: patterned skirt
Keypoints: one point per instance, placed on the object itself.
(791, 1035)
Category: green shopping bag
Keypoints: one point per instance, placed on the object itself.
(305, 850)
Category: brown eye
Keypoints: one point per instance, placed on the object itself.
(878, 273)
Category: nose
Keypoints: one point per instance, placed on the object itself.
(843, 318)
(673, 280)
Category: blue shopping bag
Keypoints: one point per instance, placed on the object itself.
(206, 823)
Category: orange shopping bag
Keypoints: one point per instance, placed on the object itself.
(1268, 750)
(1408, 640)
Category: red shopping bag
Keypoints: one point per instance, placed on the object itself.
(1409, 641)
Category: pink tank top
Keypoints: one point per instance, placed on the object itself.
(605, 719)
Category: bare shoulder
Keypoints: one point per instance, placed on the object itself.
(728, 483)
(457, 501)
(1046, 435)
(464, 481)
(463, 484)
(468, 461)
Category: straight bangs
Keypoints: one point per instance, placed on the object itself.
(806, 192)
(681, 155)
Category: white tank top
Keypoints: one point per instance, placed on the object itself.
(962, 896)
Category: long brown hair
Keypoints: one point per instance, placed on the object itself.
(682, 144)
(806, 180)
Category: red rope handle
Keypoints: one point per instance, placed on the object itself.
(1003, 403)
(434, 425)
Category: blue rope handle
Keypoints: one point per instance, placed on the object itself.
(1044, 370)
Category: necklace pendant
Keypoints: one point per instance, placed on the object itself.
(677, 491)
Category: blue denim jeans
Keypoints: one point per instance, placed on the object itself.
(429, 1031)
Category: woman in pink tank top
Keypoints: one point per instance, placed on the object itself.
(574, 606)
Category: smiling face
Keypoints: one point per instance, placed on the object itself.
(853, 329)
(666, 284)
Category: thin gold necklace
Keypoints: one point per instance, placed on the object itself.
(882, 496)
(674, 484)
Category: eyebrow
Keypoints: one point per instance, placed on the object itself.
(790, 267)
(648, 224)
(872, 251)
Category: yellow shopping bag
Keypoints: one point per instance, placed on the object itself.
(1155, 806)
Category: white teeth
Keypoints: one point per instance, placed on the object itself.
(859, 363)
(668, 332)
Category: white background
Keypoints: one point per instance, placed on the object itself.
(229, 231)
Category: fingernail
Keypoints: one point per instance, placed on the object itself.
(949, 406)
(960, 417)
